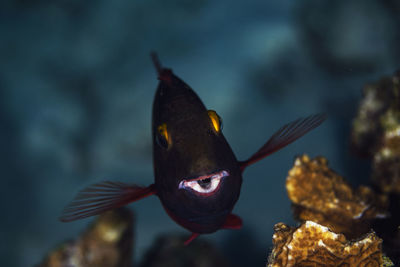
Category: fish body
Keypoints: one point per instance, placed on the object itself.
(197, 154)
(197, 176)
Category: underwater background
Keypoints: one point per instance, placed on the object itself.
(77, 86)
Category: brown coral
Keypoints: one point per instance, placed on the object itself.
(376, 134)
(376, 131)
(321, 195)
(386, 160)
(312, 244)
(107, 243)
(378, 98)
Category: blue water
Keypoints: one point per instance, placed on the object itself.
(77, 86)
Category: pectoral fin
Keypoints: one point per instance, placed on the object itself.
(284, 136)
(103, 196)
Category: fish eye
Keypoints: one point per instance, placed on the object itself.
(162, 137)
(215, 120)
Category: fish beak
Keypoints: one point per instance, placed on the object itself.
(205, 185)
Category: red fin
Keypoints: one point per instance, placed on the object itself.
(163, 73)
(191, 238)
(103, 196)
(233, 222)
(284, 136)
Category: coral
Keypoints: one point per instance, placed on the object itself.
(169, 250)
(321, 195)
(312, 244)
(106, 243)
(367, 127)
(386, 161)
(376, 135)
(376, 131)
(387, 262)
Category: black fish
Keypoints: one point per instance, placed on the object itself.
(197, 176)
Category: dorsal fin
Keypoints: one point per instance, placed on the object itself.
(163, 73)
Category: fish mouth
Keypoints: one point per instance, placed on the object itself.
(204, 185)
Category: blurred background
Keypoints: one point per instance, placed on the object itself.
(77, 85)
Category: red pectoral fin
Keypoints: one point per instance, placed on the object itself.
(233, 222)
(284, 136)
(104, 196)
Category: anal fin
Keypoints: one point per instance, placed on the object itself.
(233, 222)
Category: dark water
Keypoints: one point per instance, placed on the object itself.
(76, 89)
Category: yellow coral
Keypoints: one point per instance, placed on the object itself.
(312, 244)
(321, 195)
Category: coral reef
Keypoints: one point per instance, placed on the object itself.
(332, 203)
(320, 195)
(376, 135)
(376, 131)
(312, 244)
(169, 251)
(386, 167)
(106, 243)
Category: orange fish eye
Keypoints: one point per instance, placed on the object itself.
(215, 120)
(162, 136)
